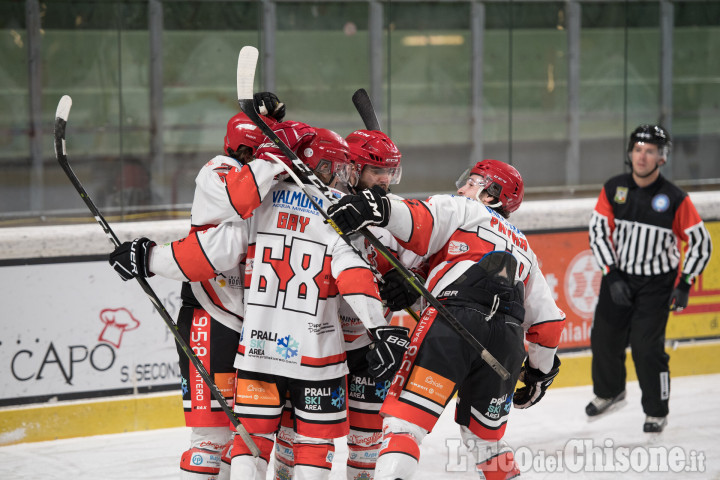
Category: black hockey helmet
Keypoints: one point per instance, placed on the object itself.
(654, 134)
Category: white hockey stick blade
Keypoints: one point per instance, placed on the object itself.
(247, 62)
(63, 108)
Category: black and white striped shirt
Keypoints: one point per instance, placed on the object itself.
(638, 230)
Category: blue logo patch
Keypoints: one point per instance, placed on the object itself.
(287, 347)
(660, 202)
(338, 398)
(381, 389)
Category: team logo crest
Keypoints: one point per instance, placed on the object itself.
(660, 202)
(456, 248)
(621, 194)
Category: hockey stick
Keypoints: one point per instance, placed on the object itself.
(245, 77)
(247, 64)
(61, 117)
(365, 108)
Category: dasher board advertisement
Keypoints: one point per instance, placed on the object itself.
(76, 330)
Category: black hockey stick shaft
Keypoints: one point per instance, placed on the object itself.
(61, 116)
(245, 99)
(365, 108)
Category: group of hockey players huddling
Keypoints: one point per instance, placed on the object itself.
(293, 324)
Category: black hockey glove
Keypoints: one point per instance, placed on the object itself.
(536, 382)
(680, 296)
(353, 212)
(387, 351)
(619, 289)
(268, 104)
(130, 259)
(396, 292)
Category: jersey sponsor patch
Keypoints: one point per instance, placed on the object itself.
(255, 392)
(621, 195)
(430, 385)
(225, 383)
(660, 202)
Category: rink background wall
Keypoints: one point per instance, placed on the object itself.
(83, 353)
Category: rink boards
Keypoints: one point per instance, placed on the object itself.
(84, 353)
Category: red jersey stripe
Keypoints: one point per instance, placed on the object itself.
(323, 361)
(546, 334)
(367, 421)
(357, 281)
(422, 227)
(243, 191)
(191, 258)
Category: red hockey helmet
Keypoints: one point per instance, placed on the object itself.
(375, 149)
(327, 154)
(242, 131)
(502, 181)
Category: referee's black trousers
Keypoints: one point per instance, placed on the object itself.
(641, 326)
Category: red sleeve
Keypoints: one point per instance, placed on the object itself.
(191, 259)
(546, 334)
(357, 281)
(685, 217)
(383, 264)
(243, 191)
(604, 208)
(422, 227)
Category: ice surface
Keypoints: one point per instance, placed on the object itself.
(558, 423)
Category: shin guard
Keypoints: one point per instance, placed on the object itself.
(284, 458)
(243, 466)
(313, 457)
(199, 464)
(495, 460)
(400, 452)
(363, 450)
(202, 460)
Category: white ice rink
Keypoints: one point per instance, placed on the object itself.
(688, 448)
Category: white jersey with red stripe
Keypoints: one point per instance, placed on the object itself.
(225, 190)
(455, 232)
(356, 335)
(296, 265)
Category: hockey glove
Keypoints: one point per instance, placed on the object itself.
(536, 382)
(680, 296)
(353, 212)
(387, 351)
(130, 259)
(293, 134)
(268, 104)
(619, 289)
(396, 292)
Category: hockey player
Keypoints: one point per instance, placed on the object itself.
(638, 223)
(291, 342)
(210, 318)
(484, 272)
(376, 161)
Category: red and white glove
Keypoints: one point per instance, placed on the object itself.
(293, 134)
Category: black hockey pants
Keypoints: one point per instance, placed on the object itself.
(642, 326)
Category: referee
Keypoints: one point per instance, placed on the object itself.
(638, 224)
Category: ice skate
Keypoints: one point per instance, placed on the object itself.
(599, 406)
(654, 424)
